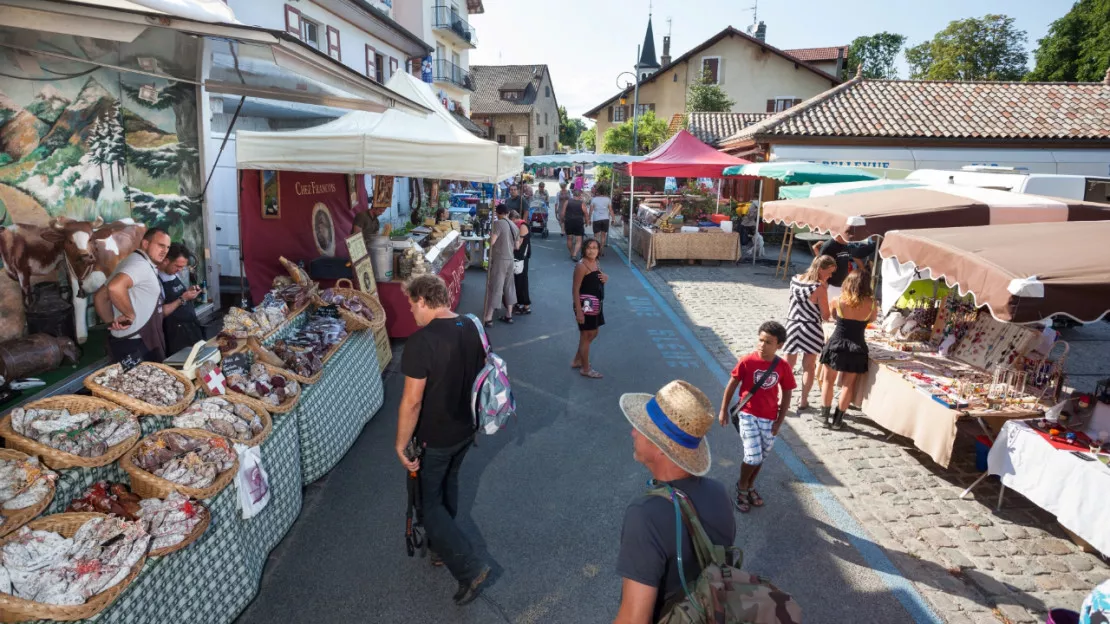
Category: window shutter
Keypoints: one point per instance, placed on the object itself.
(371, 70)
(797, 101)
(292, 21)
(770, 106)
(393, 65)
(720, 71)
(610, 113)
(333, 44)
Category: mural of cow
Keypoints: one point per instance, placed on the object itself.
(28, 253)
(91, 252)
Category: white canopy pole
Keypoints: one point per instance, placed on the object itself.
(720, 183)
(758, 209)
(631, 215)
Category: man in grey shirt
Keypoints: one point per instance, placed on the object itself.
(500, 286)
(132, 299)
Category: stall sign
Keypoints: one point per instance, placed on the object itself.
(130, 361)
(329, 311)
(237, 364)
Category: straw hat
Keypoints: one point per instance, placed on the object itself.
(676, 420)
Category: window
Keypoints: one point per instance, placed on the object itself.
(643, 108)
(371, 59)
(440, 53)
(541, 142)
(511, 96)
(310, 32)
(379, 68)
(710, 69)
(547, 91)
(501, 139)
(620, 113)
(545, 123)
(393, 65)
(292, 21)
(780, 104)
(457, 60)
(674, 78)
(537, 119)
(333, 43)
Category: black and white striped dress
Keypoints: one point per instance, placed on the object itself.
(803, 322)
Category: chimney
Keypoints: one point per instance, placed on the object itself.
(666, 58)
(840, 63)
(761, 32)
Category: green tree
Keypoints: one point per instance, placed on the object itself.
(987, 48)
(589, 139)
(707, 97)
(569, 129)
(1077, 46)
(876, 53)
(650, 132)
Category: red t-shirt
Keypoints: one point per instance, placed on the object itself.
(765, 403)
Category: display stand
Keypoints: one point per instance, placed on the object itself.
(399, 322)
(654, 246)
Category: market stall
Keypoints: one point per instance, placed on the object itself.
(681, 156)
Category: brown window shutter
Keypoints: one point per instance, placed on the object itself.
(770, 106)
(371, 70)
(333, 44)
(292, 21)
(797, 101)
(393, 65)
(610, 113)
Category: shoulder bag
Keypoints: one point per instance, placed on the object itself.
(739, 407)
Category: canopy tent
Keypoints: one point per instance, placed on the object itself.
(683, 156)
(391, 143)
(569, 160)
(798, 172)
(1022, 272)
(859, 216)
(802, 191)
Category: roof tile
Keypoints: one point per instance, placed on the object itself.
(488, 80)
(712, 128)
(818, 54)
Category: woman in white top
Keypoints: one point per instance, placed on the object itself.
(601, 211)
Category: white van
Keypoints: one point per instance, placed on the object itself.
(1089, 188)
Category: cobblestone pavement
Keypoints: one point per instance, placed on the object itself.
(972, 563)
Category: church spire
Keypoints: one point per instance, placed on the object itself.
(648, 63)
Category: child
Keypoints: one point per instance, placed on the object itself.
(761, 417)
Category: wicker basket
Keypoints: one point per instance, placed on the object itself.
(142, 408)
(357, 322)
(54, 458)
(147, 485)
(14, 609)
(194, 535)
(15, 518)
(260, 409)
(285, 407)
(265, 355)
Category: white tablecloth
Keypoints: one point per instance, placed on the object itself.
(1072, 489)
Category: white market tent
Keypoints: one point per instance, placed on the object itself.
(582, 158)
(393, 143)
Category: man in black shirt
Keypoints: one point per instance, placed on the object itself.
(668, 431)
(516, 202)
(440, 363)
(848, 256)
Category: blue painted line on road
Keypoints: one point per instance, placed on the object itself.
(871, 552)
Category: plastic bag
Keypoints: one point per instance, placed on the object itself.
(251, 481)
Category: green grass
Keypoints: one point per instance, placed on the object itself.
(140, 179)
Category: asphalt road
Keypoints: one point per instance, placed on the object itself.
(544, 498)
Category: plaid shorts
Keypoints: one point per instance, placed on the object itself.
(756, 436)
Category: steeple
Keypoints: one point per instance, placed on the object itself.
(648, 63)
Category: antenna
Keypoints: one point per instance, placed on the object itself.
(755, 17)
(649, 8)
(669, 29)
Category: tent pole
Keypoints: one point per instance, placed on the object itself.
(720, 182)
(757, 219)
(631, 215)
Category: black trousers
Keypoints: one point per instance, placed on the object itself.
(521, 279)
(439, 491)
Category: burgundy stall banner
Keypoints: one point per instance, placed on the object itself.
(306, 216)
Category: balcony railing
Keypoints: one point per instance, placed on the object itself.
(446, 71)
(448, 19)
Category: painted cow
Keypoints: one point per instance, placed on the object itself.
(27, 253)
(91, 252)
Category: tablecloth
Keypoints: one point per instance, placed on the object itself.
(1071, 488)
(398, 316)
(897, 406)
(654, 245)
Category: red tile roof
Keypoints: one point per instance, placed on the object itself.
(818, 54)
(712, 128)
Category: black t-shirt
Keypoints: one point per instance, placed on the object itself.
(844, 253)
(649, 553)
(575, 211)
(447, 353)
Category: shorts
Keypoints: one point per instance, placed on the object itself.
(756, 436)
(574, 227)
(601, 226)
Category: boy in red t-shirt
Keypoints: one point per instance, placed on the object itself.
(762, 416)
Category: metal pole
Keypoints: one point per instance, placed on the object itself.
(631, 215)
(635, 101)
(757, 219)
(720, 183)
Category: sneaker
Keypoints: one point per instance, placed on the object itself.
(435, 559)
(469, 592)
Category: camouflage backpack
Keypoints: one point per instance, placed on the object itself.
(723, 594)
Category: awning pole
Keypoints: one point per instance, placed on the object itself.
(720, 182)
(631, 214)
(758, 209)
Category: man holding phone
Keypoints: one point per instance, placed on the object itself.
(132, 298)
(180, 324)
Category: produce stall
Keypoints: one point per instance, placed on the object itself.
(399, 320)
(681, 156)
(302, 419)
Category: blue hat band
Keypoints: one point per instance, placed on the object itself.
(669, 429)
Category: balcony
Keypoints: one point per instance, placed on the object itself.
(446, 71)
(450, 22)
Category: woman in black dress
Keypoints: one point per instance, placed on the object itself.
(523, 253)
(589, 293)
(179, 317)
(846, 350)
(574, 221)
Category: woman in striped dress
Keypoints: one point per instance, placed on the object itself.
(809, 306)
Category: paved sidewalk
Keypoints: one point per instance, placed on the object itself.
(971, 563)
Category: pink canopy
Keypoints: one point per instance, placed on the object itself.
(684, 156)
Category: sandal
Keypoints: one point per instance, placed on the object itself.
(506, 319)
(592, 374)
(576, 364)
(487, 324)
(742, 502)
(754, 498)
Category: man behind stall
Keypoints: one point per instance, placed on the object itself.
(367, 223)
(132, 298)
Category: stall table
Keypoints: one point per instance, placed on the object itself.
(398, 316)
(1056, 480)
(654, 245)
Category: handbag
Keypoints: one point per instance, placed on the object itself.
(739, 407)
(591, 305)
(518, 267)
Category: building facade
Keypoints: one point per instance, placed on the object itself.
(758, 77)
(831, 60)
(444, 25)
(517, 106)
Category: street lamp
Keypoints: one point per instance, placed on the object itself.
(635, 99)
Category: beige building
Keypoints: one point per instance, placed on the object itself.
(758, 77)
(830, 60)
(516, 105)
(445, 25)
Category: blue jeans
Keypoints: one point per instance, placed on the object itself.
(439, 490)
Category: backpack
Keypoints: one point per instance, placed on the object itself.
(724, 594)
(491, 397)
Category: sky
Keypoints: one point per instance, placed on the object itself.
(588, 43)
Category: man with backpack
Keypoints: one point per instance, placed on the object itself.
(440, 363)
